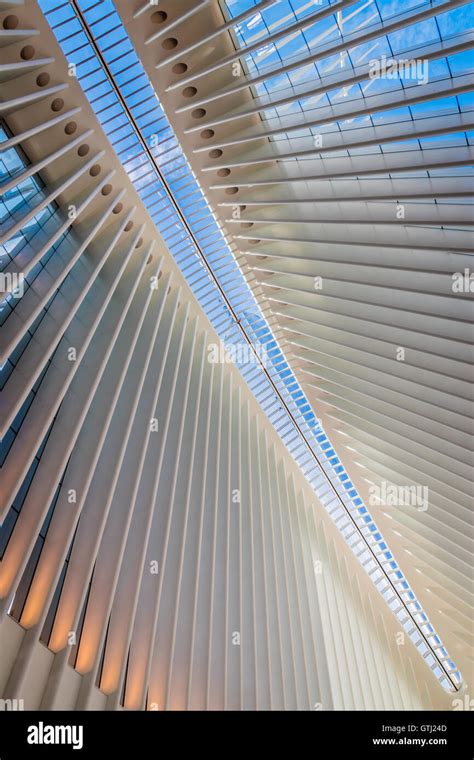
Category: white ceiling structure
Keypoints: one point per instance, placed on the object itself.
(182, 534)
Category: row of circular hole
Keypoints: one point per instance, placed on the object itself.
(207, 134)
(95, 170)
(42, 80)
(189, 92)
(158, 17)
(27, 52)
(11, 22)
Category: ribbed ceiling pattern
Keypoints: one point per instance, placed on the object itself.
(161, 549)
(151, 558)
(347, 199)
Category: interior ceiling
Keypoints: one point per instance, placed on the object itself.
(332, 190)
(346, 201)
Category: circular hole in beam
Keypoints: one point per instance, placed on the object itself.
(232, 190)
(70, 128)
(128, 226)
(189, 92)
(179, 68)
(42, 79)
(198, 113)
(27, 53)
(57, 105)
(206, 134)
(223, 172)
(83, 150)
(117, 209)
(106, 190)
(158, 17)
(216, 153)
(10, 22)
(139, 243)
(95, 170)
(170, 43)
